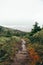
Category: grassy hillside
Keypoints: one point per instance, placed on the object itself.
(38, 37)
(10, 43)
(9, 46)
(7, 32)
(35, 48)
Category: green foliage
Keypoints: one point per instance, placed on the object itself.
(35, 29)
(8, 32)
(10, 42)
(8, 48)
(38, 37)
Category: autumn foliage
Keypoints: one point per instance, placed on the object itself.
(33, 56)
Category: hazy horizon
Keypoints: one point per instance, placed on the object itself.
(25, 28)
(21, 14)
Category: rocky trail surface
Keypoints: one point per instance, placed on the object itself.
(27, 58)
(21, 56)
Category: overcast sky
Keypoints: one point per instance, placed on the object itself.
(21, 14)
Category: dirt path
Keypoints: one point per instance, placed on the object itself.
(20, 58)
(24, 58)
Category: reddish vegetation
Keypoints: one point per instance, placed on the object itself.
(34, 57)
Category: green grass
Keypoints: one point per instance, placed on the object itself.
(9, 45)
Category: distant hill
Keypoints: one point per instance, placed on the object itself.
(4, 31)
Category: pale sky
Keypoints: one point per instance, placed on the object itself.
(21, 14)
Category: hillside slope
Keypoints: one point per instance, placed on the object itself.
(38, 37)
(4, 31)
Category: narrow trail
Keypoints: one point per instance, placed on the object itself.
(20, 58)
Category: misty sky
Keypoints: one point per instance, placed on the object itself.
(21, 14)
